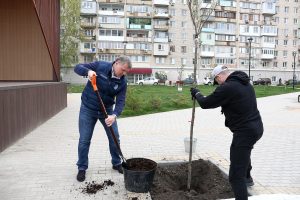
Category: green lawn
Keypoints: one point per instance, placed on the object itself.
(152, 99)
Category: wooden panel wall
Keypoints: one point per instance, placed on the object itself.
(49, 17)
(23, 108)
(24, 53)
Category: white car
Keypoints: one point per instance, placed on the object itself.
(148, 81)
(207, 81)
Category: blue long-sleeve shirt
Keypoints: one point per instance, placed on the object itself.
(112, 90)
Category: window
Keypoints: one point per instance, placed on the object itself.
(109, 32)
(172, 12)
(87, 59)
(160, 60)
(183, 12)
(208, 36)
(285, 42)
(285, 20)
(87, 45)
(295, 21)
(172, 61)
(286, 9)
(295, 33)
(172, 48)
(183, 49)
(284, 64)
(172, 23)
(275, 64)
(183, 61)
(284, 53)
(160, 47)
(183, 36)
(183, 24)
(294, 42)
(108, 57)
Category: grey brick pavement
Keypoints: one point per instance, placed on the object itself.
(42, 165)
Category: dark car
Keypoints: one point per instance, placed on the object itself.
(262, 81)
(290, 82)
(188, 81)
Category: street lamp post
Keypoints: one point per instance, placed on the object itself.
(294, 67)
(250, 40)
(124, 45)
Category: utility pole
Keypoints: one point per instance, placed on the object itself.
(250, 40)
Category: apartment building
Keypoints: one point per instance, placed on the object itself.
(158, 37)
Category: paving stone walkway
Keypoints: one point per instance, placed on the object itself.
(42, 164)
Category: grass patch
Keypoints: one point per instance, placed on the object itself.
(153, 99)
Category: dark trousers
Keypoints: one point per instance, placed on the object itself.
(240, 163)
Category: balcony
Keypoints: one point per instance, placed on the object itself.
(111, 51)
(111, 12)
(161, 2)
(138, 2)
(88, 50)
(139, 26)
(139, 14)
(161, 27)
(88, 24)
(138, 39)
(138, 51)
(112, 26)
(209, 30)
(268, 8)
(267, 56)
(88, 8)
(162, 40)
(226, 3)
(164, 15)
(207, 53)
(88, 38)
(111, 1)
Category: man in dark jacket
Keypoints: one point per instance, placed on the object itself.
(112, 85)
(237, 99)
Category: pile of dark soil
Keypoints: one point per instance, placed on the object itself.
(140, 164)
(93, 187)
(208, 182)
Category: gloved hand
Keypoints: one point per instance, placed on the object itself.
(194, 91)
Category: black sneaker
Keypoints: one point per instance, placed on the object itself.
(249, 182)
(81, 175)
(118, 168)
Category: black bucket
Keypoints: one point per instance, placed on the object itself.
(139, 174)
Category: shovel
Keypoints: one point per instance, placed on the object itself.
(102, 107)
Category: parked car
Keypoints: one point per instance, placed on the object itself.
(148, 81)
(290, 82)
(262, 81)
(188, 81)
(207, 81)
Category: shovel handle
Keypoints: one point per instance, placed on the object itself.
(102, 107)
(93, 81)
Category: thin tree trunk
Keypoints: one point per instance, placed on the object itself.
(191, 148)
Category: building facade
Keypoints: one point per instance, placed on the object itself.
(158, 37)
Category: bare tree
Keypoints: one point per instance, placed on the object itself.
(200, 12)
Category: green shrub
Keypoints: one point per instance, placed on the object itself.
(155, 102)
(180, 101)
(133, 101)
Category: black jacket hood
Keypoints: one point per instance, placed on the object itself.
(240, 76)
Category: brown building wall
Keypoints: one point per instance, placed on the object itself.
(25, 107)
(29, 45)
